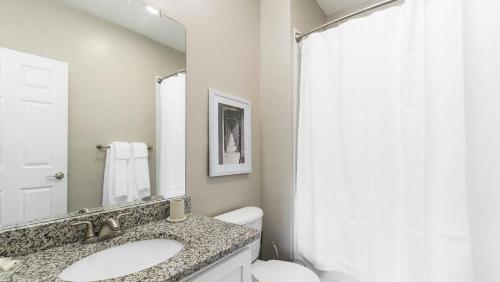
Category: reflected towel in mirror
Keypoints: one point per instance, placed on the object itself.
(126, 173)
(141, 169)
(116, 181)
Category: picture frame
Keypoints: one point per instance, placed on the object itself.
(230, 134)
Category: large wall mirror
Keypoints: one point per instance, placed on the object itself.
(92, 107)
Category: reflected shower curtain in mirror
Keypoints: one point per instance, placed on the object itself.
(381, 192)
(172, 124)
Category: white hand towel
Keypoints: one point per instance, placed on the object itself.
(122, 153)
(122, 150)
(108, 182)
(116, 174)
(140, 150)
(141, 169)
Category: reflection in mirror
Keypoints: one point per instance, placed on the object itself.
(92, 106)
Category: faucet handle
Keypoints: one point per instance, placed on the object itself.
(89, 232)
(120, 216)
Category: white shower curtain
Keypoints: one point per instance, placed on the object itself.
(381, 147)
(171, 165)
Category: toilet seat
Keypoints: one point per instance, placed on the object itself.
(278, 271)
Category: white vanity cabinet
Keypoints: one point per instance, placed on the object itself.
(233, 268)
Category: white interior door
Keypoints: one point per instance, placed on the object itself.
(33, 136)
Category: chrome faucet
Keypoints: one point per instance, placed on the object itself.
(110, 228)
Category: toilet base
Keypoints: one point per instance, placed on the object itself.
(276, 270)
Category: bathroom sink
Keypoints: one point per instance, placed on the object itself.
(121, 260)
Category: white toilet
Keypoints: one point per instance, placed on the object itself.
(272, 270)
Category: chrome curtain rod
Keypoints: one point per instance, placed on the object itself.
(299, 36)
(170, 75)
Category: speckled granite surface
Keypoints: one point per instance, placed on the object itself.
(77, 213)
(29, 238)
(206, 240)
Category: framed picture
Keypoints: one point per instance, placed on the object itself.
(230, 139)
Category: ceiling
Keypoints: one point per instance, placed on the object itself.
(133, 15)
(331, 7)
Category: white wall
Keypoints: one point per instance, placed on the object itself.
(482, 65)
(352, 9)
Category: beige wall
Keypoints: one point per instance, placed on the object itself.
(223, 47)
(277, 126)
(306, 15)
(245, 48)
(356, 8)
(111, 81)
(278, 19)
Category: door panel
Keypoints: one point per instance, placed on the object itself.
(38, 202)
(33, 136)
(1, 205)
(36, 133)
(1, 72)
(1, 129)
(36, 77)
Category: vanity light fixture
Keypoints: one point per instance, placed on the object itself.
(152, 10)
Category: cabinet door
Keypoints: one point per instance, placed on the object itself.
(236, 268)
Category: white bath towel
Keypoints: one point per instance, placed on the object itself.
(116, 184)
(141, 169)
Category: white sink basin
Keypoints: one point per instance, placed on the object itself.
(121, 260)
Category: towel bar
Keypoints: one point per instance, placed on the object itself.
(103, 147)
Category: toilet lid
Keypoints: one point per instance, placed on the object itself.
(275, 270)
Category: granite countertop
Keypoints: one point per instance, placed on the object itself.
(206, 240)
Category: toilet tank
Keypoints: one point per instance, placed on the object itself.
(249, 217)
